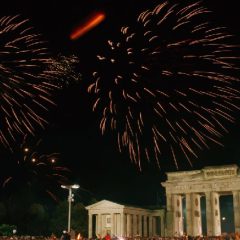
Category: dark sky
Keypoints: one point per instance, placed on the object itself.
(73, 129)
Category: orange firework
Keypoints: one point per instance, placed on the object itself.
(87, 25)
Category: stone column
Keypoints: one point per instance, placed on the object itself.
(100, 224)
(154, 226)
(122, 224)
(178, 216)
(189, 214)
(113, 224)
(213, 214)
(163, 233)
(236, 207)
(116, 224)
(96, 225)
(216, 214)
(150, 226)
(89, 225)
(140, 225)
(169, 216)
(196, 217)
(134, 225)
(128, 225)
(144, 226)
(209, 213)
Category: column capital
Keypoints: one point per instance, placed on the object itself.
(235, 192)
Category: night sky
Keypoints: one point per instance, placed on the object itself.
(73, 128)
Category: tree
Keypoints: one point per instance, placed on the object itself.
(7, 230)
(37, 219)
(80, 219)
(59, 218)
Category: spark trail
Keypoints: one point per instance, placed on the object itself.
(168, 85)
(26, 83)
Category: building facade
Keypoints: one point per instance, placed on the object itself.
(122, 220)
(210, 183)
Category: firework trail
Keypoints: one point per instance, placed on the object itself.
(167, 86)
(25, 86)
(29, 166)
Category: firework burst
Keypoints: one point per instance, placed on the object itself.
(64, 68)
(29, 166)
(167, 85)
(25, 86)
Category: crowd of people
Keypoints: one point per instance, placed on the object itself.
(66, 236)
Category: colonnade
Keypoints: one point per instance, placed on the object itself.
(124, 224)
(126, 221)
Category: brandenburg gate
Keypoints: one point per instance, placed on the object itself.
(210, 182)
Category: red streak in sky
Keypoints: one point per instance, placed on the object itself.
(86, 26)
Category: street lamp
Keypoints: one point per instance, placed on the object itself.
(70, 200)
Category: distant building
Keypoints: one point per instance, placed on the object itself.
(123, 220)
(208, 183)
